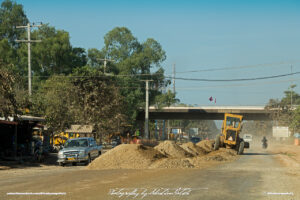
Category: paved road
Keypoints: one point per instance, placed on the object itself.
(255, 175)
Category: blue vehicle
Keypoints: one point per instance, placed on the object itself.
(195, 140)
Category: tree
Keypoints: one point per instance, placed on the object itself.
(98, 99)
(55, 101)
(83, 97)
(295, 122)
(166, 99)
(285, 114)
(13, 99)
(7, 52)
(11, 15)
(54, 54)
(133, 62)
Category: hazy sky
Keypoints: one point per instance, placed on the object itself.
(261, 38)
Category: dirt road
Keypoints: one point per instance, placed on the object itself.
(255, 175)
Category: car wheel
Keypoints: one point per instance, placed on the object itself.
(74, 163)
(99, 153)
(89, 160)
(61, 164)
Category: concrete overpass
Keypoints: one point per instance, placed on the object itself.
(206, 113)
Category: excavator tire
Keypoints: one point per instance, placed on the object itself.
(241, 148)
(217, 143)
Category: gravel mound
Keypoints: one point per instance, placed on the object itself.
(170, 149)
(126, 156)
(193, 149)
(206, 145)
(221, 155)
(165, 155)
(172, 163)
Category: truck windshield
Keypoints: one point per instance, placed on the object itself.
(232, 121)
(76, 143)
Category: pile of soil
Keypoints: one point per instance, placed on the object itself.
(171, 149)
(172, 163)
(165, 155)
(221, 155)
(207, 145)
(218, 156)
(193, 149)
(127, 156)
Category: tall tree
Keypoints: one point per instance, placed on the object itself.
(133, 62)
(11, 15)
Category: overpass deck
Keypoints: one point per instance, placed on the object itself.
(207, 112)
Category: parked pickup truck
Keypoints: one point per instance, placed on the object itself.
(79, 150)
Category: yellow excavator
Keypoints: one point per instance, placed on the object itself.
(60, 139)
(230, 136)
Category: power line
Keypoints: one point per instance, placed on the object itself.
(240, 79)
(236, 85)
(238, 67)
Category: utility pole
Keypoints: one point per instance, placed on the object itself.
(105, 63)
(29, 41)
(174, 78)
(291, 89)
(147, 133)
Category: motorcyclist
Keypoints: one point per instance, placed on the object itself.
(38, 150)
(264, 141)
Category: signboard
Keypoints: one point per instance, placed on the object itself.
(176, 130)
(281, 131)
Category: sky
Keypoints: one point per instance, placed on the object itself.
(256, 38)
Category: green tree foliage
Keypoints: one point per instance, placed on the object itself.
(165, 99)
(54, 100)
(285, 113)
(98, 99)
(7, 52)
(133, 61)
(13, 99)
(295, 122)
(11, 15)
(54, 55)
(83, 97)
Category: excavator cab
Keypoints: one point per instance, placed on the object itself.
(230, 136)
(231, 128)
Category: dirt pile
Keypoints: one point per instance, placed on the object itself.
(216, 156)
(193, 149)
(127, 156)
(172, 163)
(165, 155)
(221, 155)
(207, 145)
(171, 149)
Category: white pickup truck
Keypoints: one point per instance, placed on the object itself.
(79, 150)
